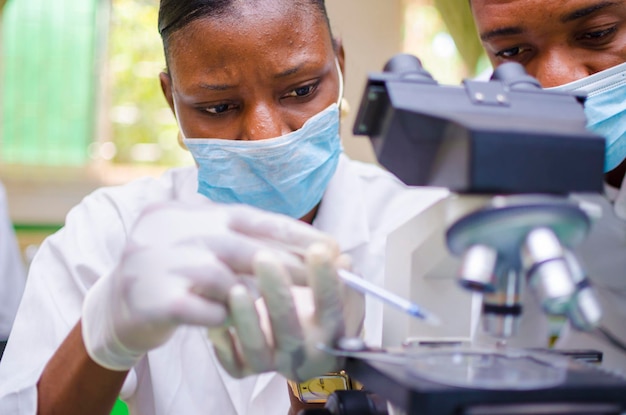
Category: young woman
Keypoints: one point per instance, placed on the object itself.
(119, 301)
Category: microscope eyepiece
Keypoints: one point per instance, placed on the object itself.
(513, 75)
(409, 67)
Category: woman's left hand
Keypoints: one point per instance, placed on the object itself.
(281, 330)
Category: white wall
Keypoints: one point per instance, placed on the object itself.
(371, 31)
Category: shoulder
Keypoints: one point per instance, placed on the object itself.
(96, 229)
(125, 202)
(102, 221)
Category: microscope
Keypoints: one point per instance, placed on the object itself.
(511, 153)
(500, 246)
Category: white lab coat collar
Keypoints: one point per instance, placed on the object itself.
(186, 187)
(344, 191)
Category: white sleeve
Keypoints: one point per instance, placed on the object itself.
(12, 274)
(66, 265)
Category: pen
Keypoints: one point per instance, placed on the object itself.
(366, 287)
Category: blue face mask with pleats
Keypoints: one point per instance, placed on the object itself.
(605, 108)
(286, 174)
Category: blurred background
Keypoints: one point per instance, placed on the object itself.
(81, 105)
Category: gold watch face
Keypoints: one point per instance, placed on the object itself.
(318, 389)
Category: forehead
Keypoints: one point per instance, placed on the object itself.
(531, 12)
(261, 32)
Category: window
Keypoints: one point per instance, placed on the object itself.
(50, 67)
(80, 84)
(143, 128)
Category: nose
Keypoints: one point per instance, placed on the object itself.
(263, 121)
(559, 67)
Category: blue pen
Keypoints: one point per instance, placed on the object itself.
(366, 287)
(363, 286)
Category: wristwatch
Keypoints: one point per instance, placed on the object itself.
(317, 390)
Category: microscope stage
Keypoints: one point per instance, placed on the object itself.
(584, 389)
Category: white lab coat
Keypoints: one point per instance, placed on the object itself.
(12, 274)
(360, 207)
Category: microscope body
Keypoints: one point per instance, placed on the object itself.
(511, 154)
(489, 143)
(419, 265)
(505, 136)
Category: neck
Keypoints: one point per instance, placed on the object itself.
(615, 176)
(308, 218)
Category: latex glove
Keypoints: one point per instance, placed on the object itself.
(177, 268)
(281, 331)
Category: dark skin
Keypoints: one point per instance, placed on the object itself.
(275, 81)
(557, 41)
(256, 74)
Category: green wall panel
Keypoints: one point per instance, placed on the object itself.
(49, 79)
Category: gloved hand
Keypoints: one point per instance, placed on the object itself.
(300, 318)
(178, 266)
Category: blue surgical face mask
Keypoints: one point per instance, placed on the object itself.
(605, 108)
(286, 174)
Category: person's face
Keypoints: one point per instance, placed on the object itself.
(557, 41)
(257, 74)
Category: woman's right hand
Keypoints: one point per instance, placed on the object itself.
(178, 267)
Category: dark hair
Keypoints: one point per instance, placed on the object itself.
(176, 14)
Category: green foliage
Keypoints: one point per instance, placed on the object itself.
(427, 37)
(458, 18)
(139, 113)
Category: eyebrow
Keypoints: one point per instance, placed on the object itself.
(288, 72)
(225, 87)
(586, 11)
(576, 14)
(215, 87)
(502, 31)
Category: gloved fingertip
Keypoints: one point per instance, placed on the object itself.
(344, 261)
(237, 291)
(333, 247)
(319, 253)
(264, 259)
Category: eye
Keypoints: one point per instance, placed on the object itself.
(302, 91)
(598, 35)
(511, 52)
(219, 109)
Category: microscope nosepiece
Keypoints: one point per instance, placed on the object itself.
(543, 258)
(585, 311)
(552, 283)
(478, 268)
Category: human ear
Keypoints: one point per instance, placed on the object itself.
(341, 55)
(344, 106)
(166, 87)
